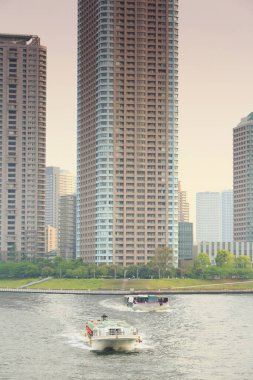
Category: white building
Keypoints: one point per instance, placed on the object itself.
(214, 216)
(227, 216)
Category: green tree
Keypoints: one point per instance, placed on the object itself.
(243, 262)
(162, 260)
(201, 264)
(47, 271)
(12, 253)
(224, 258)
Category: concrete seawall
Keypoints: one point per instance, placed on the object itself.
(123, 292)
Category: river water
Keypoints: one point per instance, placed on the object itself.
(200, 337)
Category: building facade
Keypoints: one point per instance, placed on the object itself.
(185, 240)
(208, 216)
(238, 248)
(67, 226)
(60, 189)
(51, 240)
(214, 216)
(127, 160)
(227, 202)
(243, 179)
(52, 196)
(23, 145)
(183, 205)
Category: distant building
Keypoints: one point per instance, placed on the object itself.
(51, 239)
(183, 205)
(67, 183)
(67, 226)
(227, 216)
(22, 145)
(238, 248)
(60, 188)
(208, 216)
(52, 196)
(214, 216)
(243, 179)
(185, 240)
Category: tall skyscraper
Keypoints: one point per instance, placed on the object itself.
(183, 205)
(243, 179)
(127, 130)
(214, 216)
(23, 145)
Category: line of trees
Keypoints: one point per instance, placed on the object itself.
(227, 266)
(161, 266)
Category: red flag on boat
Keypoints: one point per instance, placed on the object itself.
(89, 331)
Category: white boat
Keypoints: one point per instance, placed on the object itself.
(103, 334)
(147, 302)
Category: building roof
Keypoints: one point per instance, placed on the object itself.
(250, 116)
(20, 39)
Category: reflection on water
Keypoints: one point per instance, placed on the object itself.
(199, 337)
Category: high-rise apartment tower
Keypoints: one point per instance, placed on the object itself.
(243, 179)
(127, 129)
(23, 145)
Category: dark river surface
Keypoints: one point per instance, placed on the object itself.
(200, 337)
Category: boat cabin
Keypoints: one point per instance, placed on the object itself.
(145, 299)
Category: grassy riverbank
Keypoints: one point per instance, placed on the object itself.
(15, 283)
(141, 284)
(136, 284)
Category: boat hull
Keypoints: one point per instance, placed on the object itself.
(116, 343)
(149, 306)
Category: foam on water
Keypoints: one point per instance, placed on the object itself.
(75, 338)
(115, 304)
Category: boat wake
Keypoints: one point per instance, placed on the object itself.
(115, 304)
(75, 339)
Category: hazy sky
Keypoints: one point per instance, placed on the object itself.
(216, 81)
